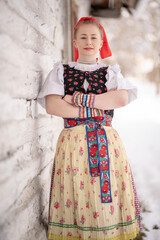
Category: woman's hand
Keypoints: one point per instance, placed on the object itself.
(68, 98)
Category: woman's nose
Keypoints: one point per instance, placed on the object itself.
(89, 41)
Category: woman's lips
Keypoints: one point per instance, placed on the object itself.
(88, 48)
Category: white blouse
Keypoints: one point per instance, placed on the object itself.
(54, 83)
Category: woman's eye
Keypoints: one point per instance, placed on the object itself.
(85, 38)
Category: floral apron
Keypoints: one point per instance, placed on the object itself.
(92, 193)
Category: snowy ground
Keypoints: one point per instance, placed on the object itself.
(138, 125)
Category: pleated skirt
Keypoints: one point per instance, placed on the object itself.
(75, 207)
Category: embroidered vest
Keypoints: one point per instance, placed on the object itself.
(85, 82)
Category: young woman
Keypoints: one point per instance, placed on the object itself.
(92, 194)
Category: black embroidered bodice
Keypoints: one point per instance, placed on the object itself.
(74, 80)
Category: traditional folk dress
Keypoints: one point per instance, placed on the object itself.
(92, 193)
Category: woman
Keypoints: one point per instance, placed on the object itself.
(92, 189)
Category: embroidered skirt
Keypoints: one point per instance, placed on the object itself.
(76, 210)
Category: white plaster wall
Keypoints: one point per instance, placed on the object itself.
(32, 37)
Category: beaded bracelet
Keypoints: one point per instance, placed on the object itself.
(82, 99)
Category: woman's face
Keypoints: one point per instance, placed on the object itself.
(88, 42)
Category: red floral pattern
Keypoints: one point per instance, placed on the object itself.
(97, 151)
(68, 203)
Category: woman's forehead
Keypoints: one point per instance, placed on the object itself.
(88, 29)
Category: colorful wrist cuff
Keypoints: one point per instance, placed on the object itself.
(81, 99)
(86, 112)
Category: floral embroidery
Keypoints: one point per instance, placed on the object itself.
(62, 220)
(83, 219)
(87, 204)
(63, 155)
(88, 195)
(62, 188)
(63, 139)
(132, 202)
(75, 221)
(82, 185)
(115, 193)
(123, 185)
(69, 234)
(98, 156)
(105, 175)
(94, 161)
(93, 180)
(116, 173)
(68, 136)
(126, 170)
(81, 151)
(111, 209)
(68, 169)
(68, 203)
(116, 150)
(72, 122)
(86, 172)
(95, 214)
(75, 170)
(76, 203)
(120, 206)
(102, 140)
(56, 205)
(59, 171)
(75, 137)
(129, 218)
(105, 232)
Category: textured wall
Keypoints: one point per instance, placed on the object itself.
(32, 37)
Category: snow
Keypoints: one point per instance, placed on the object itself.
(138, 125)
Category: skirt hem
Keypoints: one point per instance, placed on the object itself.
(128, 236)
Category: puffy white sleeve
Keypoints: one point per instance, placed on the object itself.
(54, 84)
(116, 80)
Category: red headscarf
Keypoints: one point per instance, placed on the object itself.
(105, 49)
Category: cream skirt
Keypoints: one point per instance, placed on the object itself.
(75, 207)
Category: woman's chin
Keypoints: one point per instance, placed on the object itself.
(89, 53)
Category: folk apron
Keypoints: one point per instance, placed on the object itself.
(92, 193)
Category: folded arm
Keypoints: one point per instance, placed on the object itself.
(111, 100)
(57, 106)
(108, 100)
